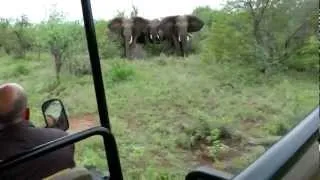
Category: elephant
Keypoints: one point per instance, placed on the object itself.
(130, 29)
(153, 29)
(176, 29)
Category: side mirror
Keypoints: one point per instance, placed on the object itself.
(55, 115)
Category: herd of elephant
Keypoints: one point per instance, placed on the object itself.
(175, 30)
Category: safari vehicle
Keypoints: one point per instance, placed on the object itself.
(294, 157)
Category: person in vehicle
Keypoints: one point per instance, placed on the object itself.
(16, 136)
(51, 121)
(55, 123)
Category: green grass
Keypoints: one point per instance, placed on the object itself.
(163, 109)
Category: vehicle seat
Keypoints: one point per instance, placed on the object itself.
(77, 173)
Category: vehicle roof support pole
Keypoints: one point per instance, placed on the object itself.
(95, 64)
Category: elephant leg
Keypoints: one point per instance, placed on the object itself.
(134, 41)
(166, 46)
(184, 51)
(176, 44)
(132, 47)
(123, 45)
(146, 40)
(127, 45)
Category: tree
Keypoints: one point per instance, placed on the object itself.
(279, 27)
(5, 32)
(62, 39)
(134, 11)
(23, 39)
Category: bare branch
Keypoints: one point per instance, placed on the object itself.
(249, 2)
(295, 33)
(263, 9)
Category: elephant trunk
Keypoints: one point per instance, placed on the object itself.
(154, 37)
(127, 42)
(183, 39)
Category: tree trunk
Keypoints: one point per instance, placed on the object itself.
(39, 52)
(57, 54)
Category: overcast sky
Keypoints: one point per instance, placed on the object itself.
(37, 10)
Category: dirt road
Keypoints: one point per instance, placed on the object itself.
(82, 122)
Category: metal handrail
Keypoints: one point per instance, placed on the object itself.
(108, 138)
(274, 162)
(278, 159)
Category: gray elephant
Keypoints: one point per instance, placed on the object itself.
(130, 29)
(155, 36)
(177, 29)
(153, 29)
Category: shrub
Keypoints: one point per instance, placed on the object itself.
(79, 65)
(19, 70)
(120, 71)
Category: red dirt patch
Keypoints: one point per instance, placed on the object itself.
(83, 122)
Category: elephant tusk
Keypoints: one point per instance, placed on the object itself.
(179, 38)
(158, 36)
(130, 42)
(188, 38)
(150, 36)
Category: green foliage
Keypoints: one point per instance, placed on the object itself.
(16, 38)
(78, 65)
(109, 45)
(158, 111)
(268, 37)
(215, 146)
(277, 128)
(306, 58)
(164, 110)
(20, 69)
(90, 152)
(120, 71)
(62, 39)
(228, 39)
(206, 14)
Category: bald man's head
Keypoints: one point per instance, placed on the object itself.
(13, 103)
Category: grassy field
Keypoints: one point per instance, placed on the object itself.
(171, 114)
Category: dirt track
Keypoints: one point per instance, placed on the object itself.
(82, 122)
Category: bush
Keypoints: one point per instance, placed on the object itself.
(120, 71)
(306, 58)
(79, 65)
(108, 43)
(227, 39)
(277, 128)
(20, 70)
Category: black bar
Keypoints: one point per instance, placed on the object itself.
(95, 64)
(278, 159)
(111, 149)
(113, 156)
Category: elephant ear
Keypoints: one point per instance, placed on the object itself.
(169, 20)
(115, 24)
(195, 24)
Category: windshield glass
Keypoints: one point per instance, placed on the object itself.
(188, 83)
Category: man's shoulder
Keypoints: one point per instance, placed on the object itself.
(48, 132)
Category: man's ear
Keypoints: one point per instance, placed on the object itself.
(26, 114)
